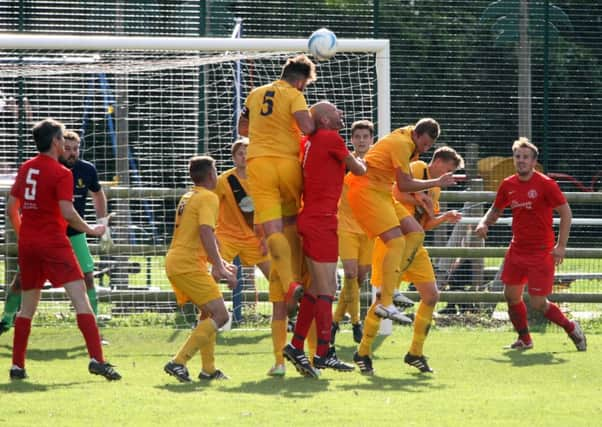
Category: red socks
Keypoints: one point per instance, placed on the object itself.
(323, 316)
(304, 318)
(518, 317)
(87, 325)
(22, 329)
(554, 314)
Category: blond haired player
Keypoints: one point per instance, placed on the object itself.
(374, 209)
(192, 246)
(234, 230)
(274, 117)
(424, 206)
(355, 247)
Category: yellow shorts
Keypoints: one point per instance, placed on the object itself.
(197, 286)
(375, 211)
(421, 269)
(275, 184)
(248, 250)
(355, 246)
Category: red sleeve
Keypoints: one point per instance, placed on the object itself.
(501, 198)
(554, 195)
(339, 149)
(64, 186)
(17, 188)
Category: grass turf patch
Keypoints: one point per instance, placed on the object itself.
(476, 382)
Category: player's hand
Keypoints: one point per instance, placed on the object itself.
(97, 230)
(263, 247)
(558, 254)
(482, 230)
(106, 242)
(453, 217)
(227, 272)
(446, 180)
(426, 203)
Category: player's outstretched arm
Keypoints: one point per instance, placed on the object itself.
(77, 222)
(406, 183)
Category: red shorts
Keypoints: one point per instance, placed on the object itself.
(534, 268)
(58, 265)
(319, 236)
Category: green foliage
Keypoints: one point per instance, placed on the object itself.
(475, 380)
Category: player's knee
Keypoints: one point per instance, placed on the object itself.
(221, 317)
(431, 297)
(539, 304)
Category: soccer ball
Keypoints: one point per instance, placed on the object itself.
(322, 44)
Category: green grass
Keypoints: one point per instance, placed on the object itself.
(476, 383)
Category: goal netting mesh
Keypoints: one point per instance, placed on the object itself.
(141, 115)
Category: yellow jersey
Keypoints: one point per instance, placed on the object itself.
(420, 170)
(393, 151)
(231, 224)
(273, 130)
(186, 253)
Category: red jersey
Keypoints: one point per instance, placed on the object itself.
(39, 185)
(532, 203)
(323, 153)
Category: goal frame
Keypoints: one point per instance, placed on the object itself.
(380, 47)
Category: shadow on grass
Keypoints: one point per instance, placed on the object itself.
(51, 354)
(414, 382)
(24, 386)
(297, 387)
(529, 358)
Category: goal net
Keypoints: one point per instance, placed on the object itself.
(143, 107)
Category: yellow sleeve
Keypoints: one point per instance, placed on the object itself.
(207, 209)
(298, 103)
(219, 188)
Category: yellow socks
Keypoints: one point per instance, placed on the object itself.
(390, 269)
(413, 241)
(279, 339)
(202, 338)
(280, 253)
(294, 243)
(371, 325)
(353, 307)
(422, 324)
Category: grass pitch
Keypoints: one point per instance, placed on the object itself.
(476, 383)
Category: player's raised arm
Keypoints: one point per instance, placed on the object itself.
(243, 122)
(305, 122)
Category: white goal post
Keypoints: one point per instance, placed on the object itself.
(380, 47)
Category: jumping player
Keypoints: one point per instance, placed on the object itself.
(355, 247)
(325, 157)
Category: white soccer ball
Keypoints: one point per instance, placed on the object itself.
(322, 44)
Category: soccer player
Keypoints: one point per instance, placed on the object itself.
(192, 245)
(273, 117)
(401, 236)
(39, 207)
(533, 251)
(424, 206)
(236, 237)
(325, 157)
(355, 247)
(85, 179)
